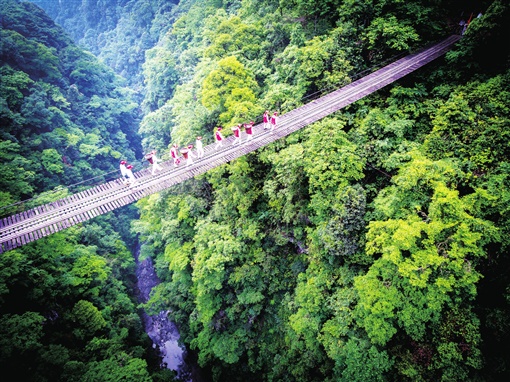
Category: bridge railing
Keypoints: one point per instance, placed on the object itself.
(59, 214)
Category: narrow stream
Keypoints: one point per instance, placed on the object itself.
(161, 330)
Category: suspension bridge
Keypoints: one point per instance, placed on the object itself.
(41, 221)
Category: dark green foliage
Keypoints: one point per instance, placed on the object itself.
(314, 197)
(67, 299)
(481, 51)
(66, 304)
(370, 246)
(64, 115)
(382, 220)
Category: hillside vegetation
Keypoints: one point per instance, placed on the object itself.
(67, 305)
(369, 246)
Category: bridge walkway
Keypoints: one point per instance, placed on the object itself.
(38, 222)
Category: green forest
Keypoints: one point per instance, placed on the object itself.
(368, 246)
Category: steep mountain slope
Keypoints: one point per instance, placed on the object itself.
(67, 310)
(370, 246)
(117, 32)
(65, 116)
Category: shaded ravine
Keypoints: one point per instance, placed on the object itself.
(163, 332)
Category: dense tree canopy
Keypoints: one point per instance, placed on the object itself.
(369, 246)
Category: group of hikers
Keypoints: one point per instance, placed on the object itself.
(126, 171)
(270, 122)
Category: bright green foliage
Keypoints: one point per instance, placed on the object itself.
(320, 62)
(121, 367)
(230, 36)
(311, 299)
(88, 269)
(216, 250)
(283, 96)
(52, 161)
(415, 261)
(331, 162)
(369, 246)
(427, 252)
(389, 34)
(230, 90)
(88, 317)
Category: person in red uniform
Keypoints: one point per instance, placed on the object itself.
(218, 137)
(129, 171)
(237, 134)
(174, 153)
(265, 119)
(154, 161)
(124, 172)
(274, 121)
(187, 153)
(248, 128)
(200, 147)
